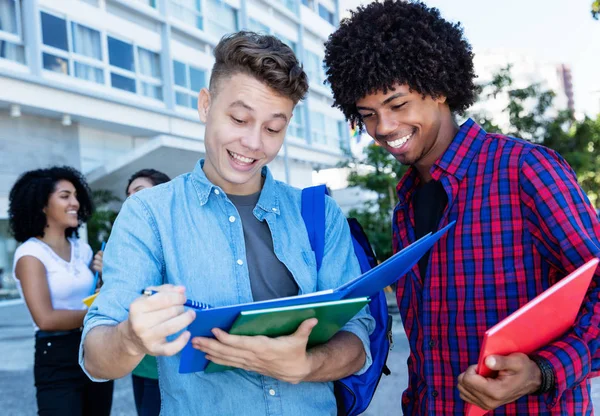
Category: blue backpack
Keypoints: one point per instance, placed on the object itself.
(353, 393)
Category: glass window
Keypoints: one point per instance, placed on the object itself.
(55, 63)
(331, 132)
(196, 79)
(86, 41)
(326, 14)
(54, 32)
(151, 90)
(314, 68)
(8, 16)
(12, 51)
(179, 72)
(296, 127)
(188, 11)
(188, 82)
(149, 63)
(88, 72)
(317, 126)
(122, 83)
(221, 18)
(120, 54)
(308, 3)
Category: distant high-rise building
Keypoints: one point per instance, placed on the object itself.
(564, 72)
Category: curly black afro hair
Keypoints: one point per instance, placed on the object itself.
(30, 195)
(399, 42)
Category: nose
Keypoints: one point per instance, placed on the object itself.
(386, 125)
(252, 140)
(74, 202)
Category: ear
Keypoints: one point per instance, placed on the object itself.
(204, 101)
(441, 99)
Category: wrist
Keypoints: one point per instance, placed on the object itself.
(544, 376)
(126, 337)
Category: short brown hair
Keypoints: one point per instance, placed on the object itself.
(263, 57)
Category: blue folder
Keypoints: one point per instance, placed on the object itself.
(365, 285)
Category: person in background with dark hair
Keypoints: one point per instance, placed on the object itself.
(145, 178)
(224, 234)
(522, 221)
(145, 376)
(52, 272)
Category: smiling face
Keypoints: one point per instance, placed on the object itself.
(63, 207)
(406, 124)
(246, 123)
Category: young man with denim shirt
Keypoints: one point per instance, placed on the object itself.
(190, 238)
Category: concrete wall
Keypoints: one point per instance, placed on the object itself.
(30, 142)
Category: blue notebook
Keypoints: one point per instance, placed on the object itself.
(365, 285)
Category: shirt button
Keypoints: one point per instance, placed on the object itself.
(240, 262)
(432, 343)
(217, 192)
(274, 209)
(434, 393)
(272, 392)
(49, 344)
(232, 219)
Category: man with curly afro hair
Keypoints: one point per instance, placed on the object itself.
(522, 222)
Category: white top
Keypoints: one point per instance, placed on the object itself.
(69, 282)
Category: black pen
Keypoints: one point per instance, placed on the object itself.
(191, 303)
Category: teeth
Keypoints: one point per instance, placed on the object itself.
(399, 142)
(241, 158)
(71, 212)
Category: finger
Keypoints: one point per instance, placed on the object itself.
(173, 347)
(161, 316)
(469, 397)
(250, 343)
(173, 325)
(237, 363)
(511, 363)
(305, 328)
(161, 300)
(217, 349)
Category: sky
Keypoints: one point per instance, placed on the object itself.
(563, 31)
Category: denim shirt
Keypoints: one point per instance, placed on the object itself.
(187, 232)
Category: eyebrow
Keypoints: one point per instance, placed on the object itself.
(386, 101)
(240, 103)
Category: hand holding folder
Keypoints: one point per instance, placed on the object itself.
(536, 324)
(365, 285)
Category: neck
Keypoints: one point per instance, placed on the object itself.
(54, 236)
(252, 186)
(448, 129)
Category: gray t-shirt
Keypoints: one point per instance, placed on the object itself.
(269, 278)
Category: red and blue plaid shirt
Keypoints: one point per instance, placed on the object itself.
(522, 224)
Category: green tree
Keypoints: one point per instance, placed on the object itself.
(378, 172)
(596, 9)
(100, 223)
(532, 116)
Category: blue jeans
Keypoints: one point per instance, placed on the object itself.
(146, 395)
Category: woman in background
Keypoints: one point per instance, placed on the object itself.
(52, 269)
(145, 376)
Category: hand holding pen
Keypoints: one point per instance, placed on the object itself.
(154, 318)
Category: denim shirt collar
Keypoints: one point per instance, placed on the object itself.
(268, 201)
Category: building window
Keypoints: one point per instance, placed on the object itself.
(258, 27)
(326, 14)
(313, 65)
(71, 49)
(11, 39)
(309, 3)
(291, 5)
(151, 3)
(317, 127)
(296, 126)
(143, 77)
(332, 138)
(221, 18)
(188, 11)
(188, 83)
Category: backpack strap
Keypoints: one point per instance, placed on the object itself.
(313, 214)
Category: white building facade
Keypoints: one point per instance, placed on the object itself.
(110, 87)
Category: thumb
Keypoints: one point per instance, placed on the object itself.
(500, 363)
(306, 328)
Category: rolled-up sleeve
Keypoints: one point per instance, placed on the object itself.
(338, 267)
(132, 261)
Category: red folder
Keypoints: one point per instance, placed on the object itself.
(540, 321)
